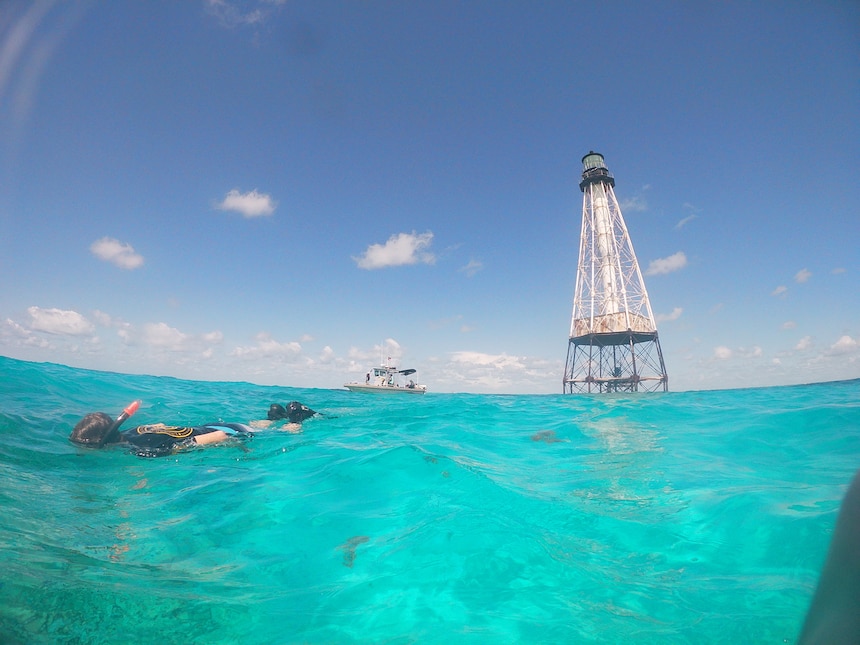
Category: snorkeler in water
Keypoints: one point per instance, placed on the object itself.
(296, 412)
(98, 429)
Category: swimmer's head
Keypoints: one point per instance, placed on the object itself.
(296, 412)
(95, 429)
(276, 412)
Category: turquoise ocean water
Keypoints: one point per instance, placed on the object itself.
(696, 517)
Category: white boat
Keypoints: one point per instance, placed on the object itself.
(387, 379)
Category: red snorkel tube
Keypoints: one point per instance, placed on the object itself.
(130, 409)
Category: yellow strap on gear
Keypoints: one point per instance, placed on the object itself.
(176, 432)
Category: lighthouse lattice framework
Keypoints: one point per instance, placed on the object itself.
(613, 344)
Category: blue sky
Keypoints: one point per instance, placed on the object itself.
(288, 192)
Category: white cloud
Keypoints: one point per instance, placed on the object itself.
(393, 350)
(803, 343)
(838, 270)
(164, 336)
(676, 313)
(252, 204)
(682, 223)
(472, 268)
(781, 289)
(231, 15)
(400, 249)
(845, 345)
(213, 337)
(722, 353)
(633, 204)
(667, 265)
(102, 318)
(268, 348)
(158, 338)
(802, 276)
(327, 355)
(693, 214)
(18, 335)
(479, 371)
(789, 324)
(62, 322)
(118, 253)
(498, 361)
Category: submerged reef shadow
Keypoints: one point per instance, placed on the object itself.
(349, 548)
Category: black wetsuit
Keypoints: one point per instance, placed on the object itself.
(159, 440)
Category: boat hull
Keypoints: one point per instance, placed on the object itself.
(385, 389)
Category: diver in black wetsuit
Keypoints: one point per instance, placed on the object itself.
(98, 429)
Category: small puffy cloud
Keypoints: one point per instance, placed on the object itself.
(267, 347)
(676, 313)
(667, 265)
(62, 322)
(327, 355)
(845, 345)
(400, 249)
(164, 336)
(633, 204)
(252, 204)
(789, 324)
(838, 270)
(752, 352)
(722, 353)
(802, 276)
(213, 337)
(391, 348)
(781, 289)
(118, 253)
(803, 343)
(472, 268)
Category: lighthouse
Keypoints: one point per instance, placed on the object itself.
(613, 344)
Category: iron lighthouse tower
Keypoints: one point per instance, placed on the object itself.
(613, 344)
